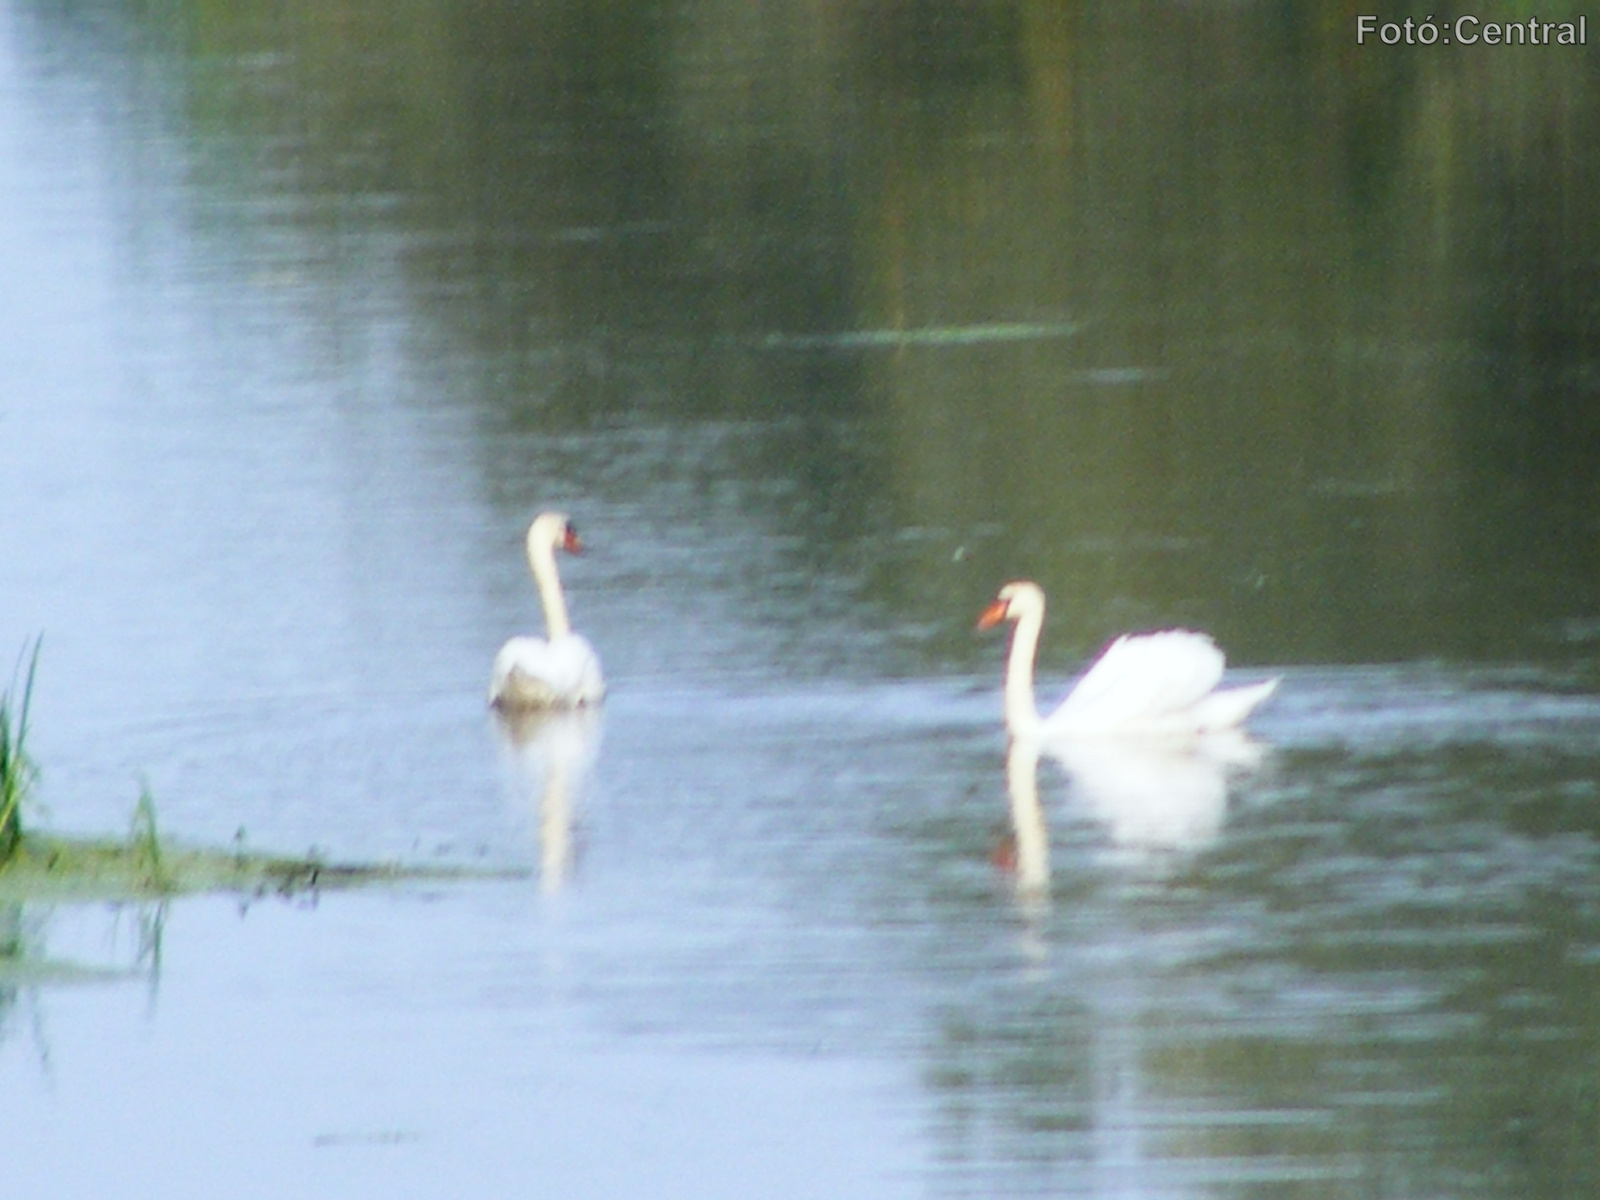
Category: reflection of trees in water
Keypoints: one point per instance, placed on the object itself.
(1389, 973)
(1335, 305)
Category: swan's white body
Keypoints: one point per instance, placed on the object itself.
(1156, 686)
(561, 671)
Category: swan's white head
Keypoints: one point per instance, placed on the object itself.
(553, 531)
(1022, 602)
(1015, 601)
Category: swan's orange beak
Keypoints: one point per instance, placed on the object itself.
(993, 615)
(570, 542)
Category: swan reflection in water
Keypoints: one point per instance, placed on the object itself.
(549, 757)
(1148, 794)
(1153, 794)
(1029, 851)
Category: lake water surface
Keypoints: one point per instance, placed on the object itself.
(822, 322)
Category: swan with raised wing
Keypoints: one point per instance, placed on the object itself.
(1147, 686)
(562, 671)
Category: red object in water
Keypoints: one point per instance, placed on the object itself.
(1004, 854)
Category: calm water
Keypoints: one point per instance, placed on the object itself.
(822, 322)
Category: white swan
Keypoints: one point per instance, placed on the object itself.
(1150, 686)
(563, 672)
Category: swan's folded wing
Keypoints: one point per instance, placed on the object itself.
(579, 669)
(533, 673)
(509, 661)
(1143, 679)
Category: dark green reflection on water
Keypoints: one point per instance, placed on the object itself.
(1380, 981)
(1331, 390)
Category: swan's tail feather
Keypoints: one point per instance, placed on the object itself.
(1228, 709)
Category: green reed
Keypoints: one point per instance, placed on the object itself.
(17, 770)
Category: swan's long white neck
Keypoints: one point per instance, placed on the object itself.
(542, 558)
(1022, 716)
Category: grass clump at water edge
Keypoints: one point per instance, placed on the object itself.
(145, 867)
(17, 770)
(40, 866)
